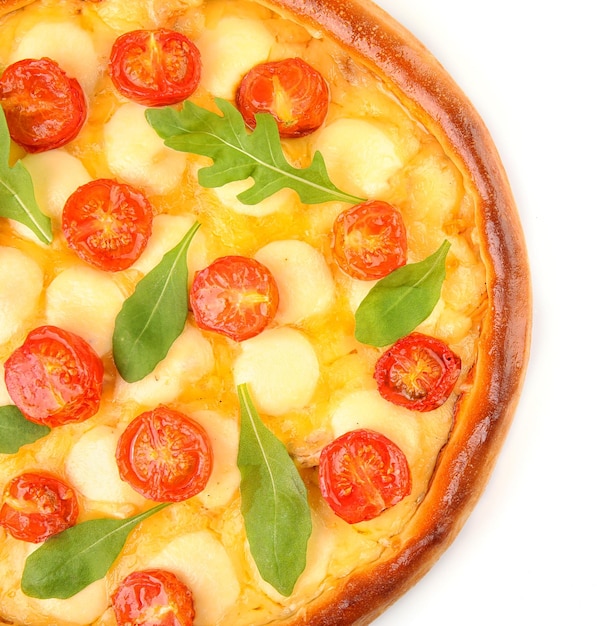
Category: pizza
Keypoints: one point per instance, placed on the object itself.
(264, 312)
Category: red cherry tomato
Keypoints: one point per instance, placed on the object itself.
(55, 377)
(155, 67)
(153, 597)
(361, 474)
(370, 240)
(44, 108)
(235, 296)
(165, 456)
(107, 224)
(417, 372)
(37, 506)
(291, 90)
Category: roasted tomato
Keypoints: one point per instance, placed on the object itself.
(107, 224)
(370, 240)
(418, 372)
(155, 67)
(235, 296)
(37, 506)
(291, 90)
(153, 597)
(44, 108)
(361, 474)
(55, 377)
(165, 456)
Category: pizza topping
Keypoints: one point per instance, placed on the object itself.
(155, 67)
(17, 431)
(153, 596)
(154, 316)
(370, 240)
(361, 474)
(236, 296)
(274, 501)
(290, 90)
(107, 224)
(78, 556)
(418, 372)
(44, 108)
(55, 377)
(238, 155)
(37, 506)
(165, 456)
(402, 300)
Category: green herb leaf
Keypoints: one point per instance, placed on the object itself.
(239, 154)
(274, 501)
(17, 431)
(70, 561)
(17, 199)
(402, 300)
(154, 315)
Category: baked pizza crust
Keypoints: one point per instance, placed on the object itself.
(484, 414)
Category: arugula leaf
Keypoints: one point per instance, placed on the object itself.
(73, 559)
(239, 154)
(17, 431)
(402, 300)
(275, 507)
(17, 199)
(154, 315)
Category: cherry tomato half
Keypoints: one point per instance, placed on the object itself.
(361, 474)
(37, 506)
(153, 597)
(55, 377)
(107, 224)
(155, 67)
(291, 90)
(370, 240)
(44, 108)
(165, 456)
(236, 296)
(418, 372)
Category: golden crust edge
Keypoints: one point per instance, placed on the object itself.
(485, 413)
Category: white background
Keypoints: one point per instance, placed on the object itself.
(534, 550)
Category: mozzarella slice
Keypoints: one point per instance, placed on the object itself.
(225, 477)
(94, 455)
(214, 586)
(67, 44)
(188, 360)
(137, 155)
(281, 369)
(56, 174)
(349, 146)
(85, 301)
(304, 280)
(367, 409)
(124, 16)
(227, 195)
(229, 50)
(20, 290)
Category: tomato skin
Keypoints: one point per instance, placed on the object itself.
(370, 240)
(361, 474)
(418, 372)
(54, 377)
(107, 224)
(165, 456)
(44, 108)
(37, 506)
(153, 597)
(291, 90)
(235, 296)
(155, 67)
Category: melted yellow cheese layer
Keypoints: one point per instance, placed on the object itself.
(373, 148)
